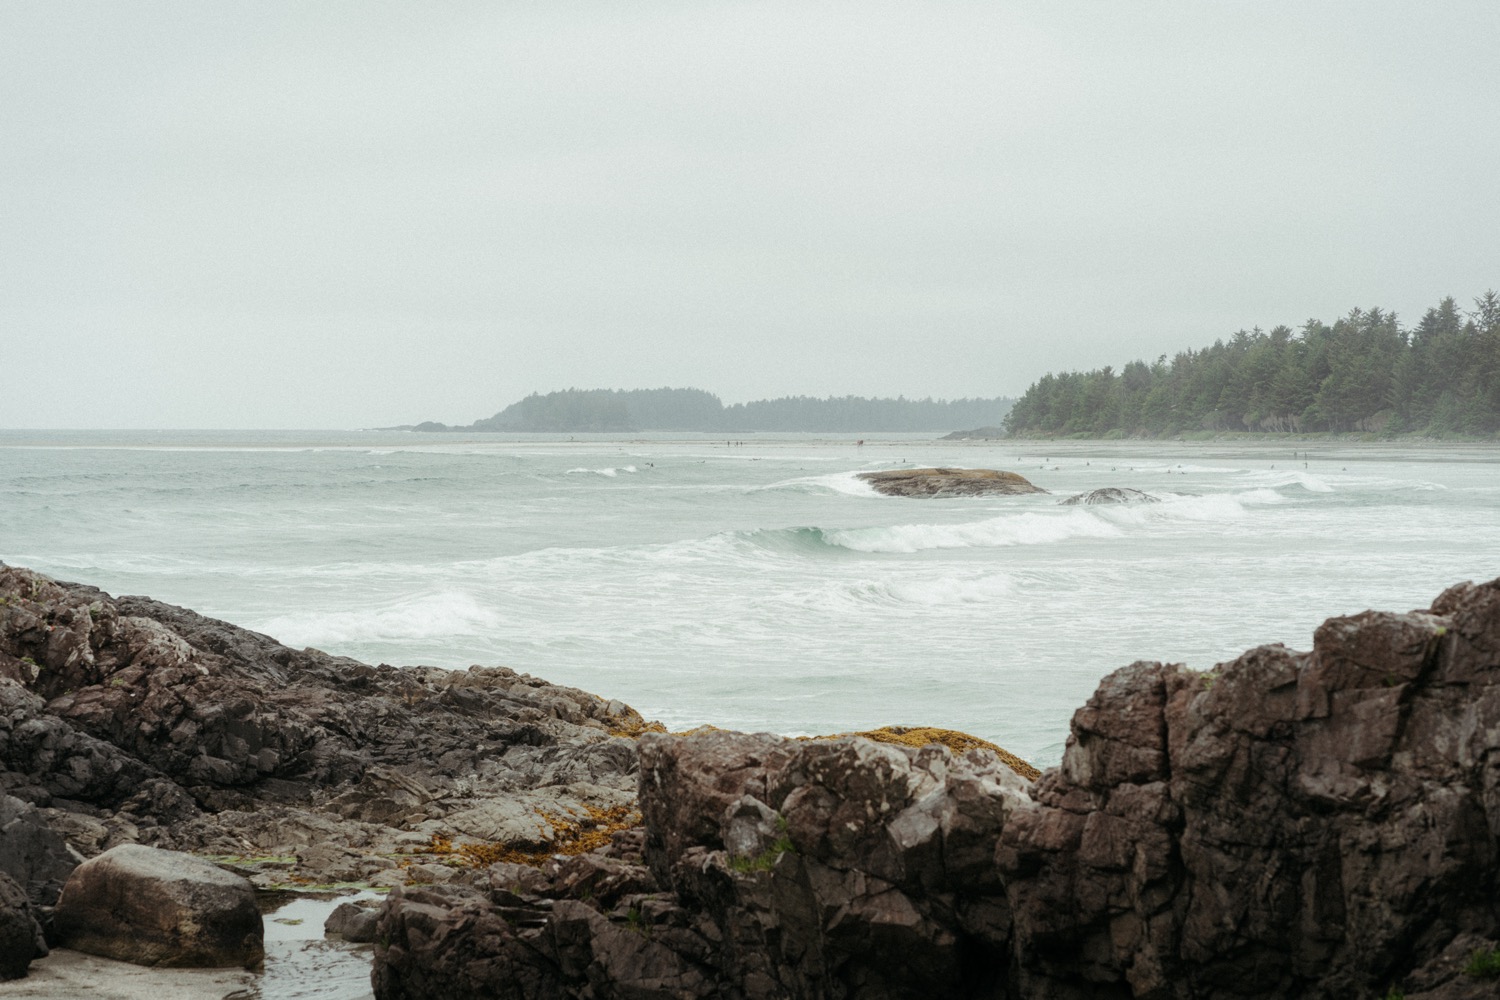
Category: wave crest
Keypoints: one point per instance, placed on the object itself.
(1010, 529)
(437, 615)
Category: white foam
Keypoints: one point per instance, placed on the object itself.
(1184, 469)
(948, 590)
(134, 563)
(611, 472)
(1013, 529)
(1291, 477)
(847, 483)
(1210, 508)
(438, 615)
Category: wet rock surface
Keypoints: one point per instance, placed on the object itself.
(153, 907)
(1109, 494)
(949, 483)
(1314, 824)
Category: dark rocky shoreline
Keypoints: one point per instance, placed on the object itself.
(1320, 824)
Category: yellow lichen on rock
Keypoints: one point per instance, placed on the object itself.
(634, 728)
(571, 834)
(921, 736)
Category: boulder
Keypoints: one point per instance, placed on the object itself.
(948, 483)
(352, 922)
(20, 935)
(153, 907)
(1110, 494)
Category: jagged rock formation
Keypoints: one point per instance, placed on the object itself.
(1322, 824)
(1110, 494)
(128, 720)
(948, 483)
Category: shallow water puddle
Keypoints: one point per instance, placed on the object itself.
(301, 964)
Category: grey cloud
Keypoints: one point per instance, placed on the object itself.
(277, 214)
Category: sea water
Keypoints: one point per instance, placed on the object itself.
(757, 584)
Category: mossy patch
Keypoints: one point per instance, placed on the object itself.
(1484, 963)
(571, 834)
(765, 860)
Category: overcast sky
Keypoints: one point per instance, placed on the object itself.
(333, 215)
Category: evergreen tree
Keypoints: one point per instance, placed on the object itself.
(1365, 372)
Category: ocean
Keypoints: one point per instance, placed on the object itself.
(757, 585)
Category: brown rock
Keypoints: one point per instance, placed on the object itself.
(352, 922)
(152, 907)
(948, 483)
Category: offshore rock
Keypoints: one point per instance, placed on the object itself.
(152, 907)
(948, 483)
(1320, 824)
(1110, 494)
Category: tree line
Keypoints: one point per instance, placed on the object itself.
(667, 409)
(1366, 372)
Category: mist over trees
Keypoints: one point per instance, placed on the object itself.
(627, 410)
(1364, 373)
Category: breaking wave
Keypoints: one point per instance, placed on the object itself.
(1011, 529)
(438, 615)
(610, 471)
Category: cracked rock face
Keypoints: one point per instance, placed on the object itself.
(125, 720)
(1313, 824)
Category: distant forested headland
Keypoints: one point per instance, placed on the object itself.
(629, 410)
(1364, 373)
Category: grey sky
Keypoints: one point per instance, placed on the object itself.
(338, 215)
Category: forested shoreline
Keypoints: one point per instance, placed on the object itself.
(667, 409)
(1364, 373)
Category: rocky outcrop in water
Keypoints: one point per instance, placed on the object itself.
(1110, 494)
(949, 483)
(1320, 824)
